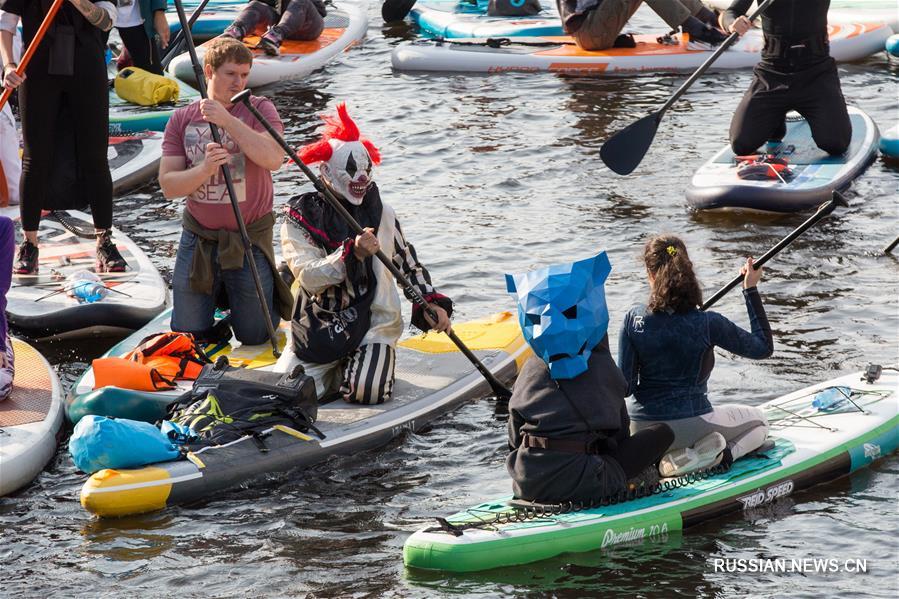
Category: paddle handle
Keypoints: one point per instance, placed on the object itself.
(229, 183)
(823, 210)
(32, 47)
(711, 59)
(498, 388)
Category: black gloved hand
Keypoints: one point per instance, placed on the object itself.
(702, 32)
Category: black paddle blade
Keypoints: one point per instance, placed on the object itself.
(396, 10)
(623, 151)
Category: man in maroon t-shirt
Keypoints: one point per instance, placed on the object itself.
(209, 261)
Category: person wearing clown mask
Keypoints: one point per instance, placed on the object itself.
(568, 425)
(347, 318)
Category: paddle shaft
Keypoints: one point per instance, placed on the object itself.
(229, 183)
(176, 43)
(888, 249)
(822, 211)
(32, 47)
(711, 59)
(498, 388)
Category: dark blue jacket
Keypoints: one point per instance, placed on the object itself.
(667, 358)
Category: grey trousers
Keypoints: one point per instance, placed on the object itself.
(603, 24)
(743, 427)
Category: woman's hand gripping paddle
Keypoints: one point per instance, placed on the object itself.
(396, 10)
(32, 47)
(823, 210)
(624, 151)
(499, 390)
(229, 183)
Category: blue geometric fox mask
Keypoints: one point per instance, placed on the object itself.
(562, 312)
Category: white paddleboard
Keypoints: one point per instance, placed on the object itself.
(29, 419)
(559, 54)
(345, 25)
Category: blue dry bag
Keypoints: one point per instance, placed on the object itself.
(99, 442)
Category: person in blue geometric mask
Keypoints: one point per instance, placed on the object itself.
(562, 312)
(569, 431)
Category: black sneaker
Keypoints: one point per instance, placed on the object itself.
(703, 32)
(27, 259)
(108, 257)
(270, 43)
(234, 32)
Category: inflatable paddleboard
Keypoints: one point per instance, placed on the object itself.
(886, 11)
(455, 18)
(39, 306)
(29, 419)
(432, 378)
(345, 25)
(889, 142)
(654, 53)
(815, 174)
(134, 159)
(812, 445)
(213, 21)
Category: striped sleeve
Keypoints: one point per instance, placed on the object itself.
(407, 261)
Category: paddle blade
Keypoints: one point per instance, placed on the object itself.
(396, 10)
(623, 151)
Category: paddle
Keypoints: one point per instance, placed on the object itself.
(624, 151)
(229, 183)
(175, 45)
(396, 10)
(823, 210)
(498, 388)
(889, 249)
(32, 47)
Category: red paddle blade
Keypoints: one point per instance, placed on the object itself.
(624, 151)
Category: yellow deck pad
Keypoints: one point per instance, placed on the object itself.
(499, 331)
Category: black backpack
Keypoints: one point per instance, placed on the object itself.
(227, 403)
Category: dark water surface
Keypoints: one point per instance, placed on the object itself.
(492, 175)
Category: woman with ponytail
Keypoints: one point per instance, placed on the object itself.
(666, 352)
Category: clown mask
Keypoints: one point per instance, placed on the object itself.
(346, 157)
(562, 312)
(348, 172)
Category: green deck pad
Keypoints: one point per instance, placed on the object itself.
(799, 134)
(743, 468)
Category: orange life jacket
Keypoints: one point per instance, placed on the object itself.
(154, 365)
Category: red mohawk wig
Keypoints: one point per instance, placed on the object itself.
(341, 128)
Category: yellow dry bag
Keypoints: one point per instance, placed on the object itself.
(147, 89)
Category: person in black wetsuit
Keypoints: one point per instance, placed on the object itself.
(66, 76)
(568, 425)
(796, 73)
(666, 352)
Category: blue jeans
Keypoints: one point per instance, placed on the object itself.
(194, 312)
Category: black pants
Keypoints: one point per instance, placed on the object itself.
(85, 95)
(144, 50)
(813, 92)
(643, 448)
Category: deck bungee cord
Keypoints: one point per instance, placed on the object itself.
(523, 511)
